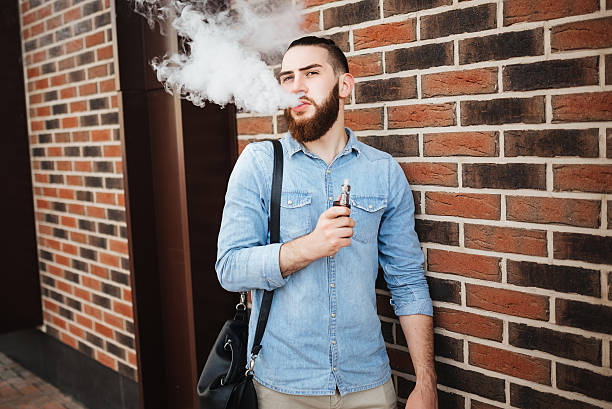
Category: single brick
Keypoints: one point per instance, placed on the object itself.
(471, 381)
(585, 247)
(427, 173)
(570, 346)
(516, 11)
(477, 143)
(583, 381)
(422, 115)
(524, 397)
(342, 40)
(579, 314)
(501, 46)
(352, 13)
(395, 145)
(552, 142)
(559, 278)
(504, 175)
(509, 302)
(392, 7)
(434, 231)
(583, 178)
(503, 111)
(390, 89)
(385, 34)
(468, 323)
(465, 20)
(582, 34)
(362, 119)
(551, 74)
(510, 363)
(400, 360)
(469, 205)
(419, 57)
(481, 405)
(506, 239)
(365, 65)
(573, 212)
(478, 81)
(254, 125)
(462, 264)
(444, 290)
(592, 106)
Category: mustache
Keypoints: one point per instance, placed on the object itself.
(308, 99)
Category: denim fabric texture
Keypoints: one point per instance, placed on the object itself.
(323, 330)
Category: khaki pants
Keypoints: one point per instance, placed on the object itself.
(382, 397)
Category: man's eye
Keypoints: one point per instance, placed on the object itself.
(285, 79)
(310, 73)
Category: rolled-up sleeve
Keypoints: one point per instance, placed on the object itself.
(400, 253)
(245, 260)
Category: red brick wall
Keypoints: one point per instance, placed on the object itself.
(500, 113)
(71, 92)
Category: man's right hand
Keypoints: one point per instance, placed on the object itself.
(333, 231)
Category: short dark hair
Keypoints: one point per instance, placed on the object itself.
(337, 59)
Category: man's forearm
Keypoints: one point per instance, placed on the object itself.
(418, 330)
(294, 256)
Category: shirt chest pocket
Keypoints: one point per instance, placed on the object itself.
(295, 215)
(367, 212)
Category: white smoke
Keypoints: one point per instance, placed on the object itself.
(224, 62)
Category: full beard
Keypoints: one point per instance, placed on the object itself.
(309, 130)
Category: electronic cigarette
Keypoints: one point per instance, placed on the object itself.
(344, 195)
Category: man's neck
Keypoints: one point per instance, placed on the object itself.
(334, 140)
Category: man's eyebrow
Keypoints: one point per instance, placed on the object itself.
(301, 69)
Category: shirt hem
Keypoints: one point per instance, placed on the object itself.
(322, 392)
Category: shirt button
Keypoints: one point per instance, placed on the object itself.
(334, 342)
(328, 171)
(333, 315)
(333, 285)
(331, 199)
(331, 256)
(289, 202)
(369, 207)
(335, 369)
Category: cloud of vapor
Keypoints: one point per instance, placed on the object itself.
(225, 48)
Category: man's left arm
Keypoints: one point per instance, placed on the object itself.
(402, 260)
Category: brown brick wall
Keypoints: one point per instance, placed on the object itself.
(73, 117)
(500, 114)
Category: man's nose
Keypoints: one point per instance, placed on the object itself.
(299, 85)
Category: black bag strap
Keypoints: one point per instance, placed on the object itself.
(275, 197)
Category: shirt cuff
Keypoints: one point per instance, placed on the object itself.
(271, 265)
(422, 306)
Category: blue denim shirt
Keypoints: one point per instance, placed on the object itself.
(323, 330)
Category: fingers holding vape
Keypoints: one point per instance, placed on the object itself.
(333, 231)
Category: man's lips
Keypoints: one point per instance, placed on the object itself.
(302, 106)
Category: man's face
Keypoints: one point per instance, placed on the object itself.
(306, 70)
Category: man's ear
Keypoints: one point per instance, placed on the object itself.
(347, 82)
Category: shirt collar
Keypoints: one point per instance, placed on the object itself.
(294, 146)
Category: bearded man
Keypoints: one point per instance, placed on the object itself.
(323, 347)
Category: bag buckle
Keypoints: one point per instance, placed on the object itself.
(250, 371)
(241, 306)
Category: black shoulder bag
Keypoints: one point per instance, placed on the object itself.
(224, 382)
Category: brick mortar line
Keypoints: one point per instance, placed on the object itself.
(88, 343)
(77, 114)
(604, 211)
(605, 354)
(520, 320)
(519, 126)
(517, 257)
(536, 160)
(589, 89)
(527, 290)
(89, 188)
(522, 26)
